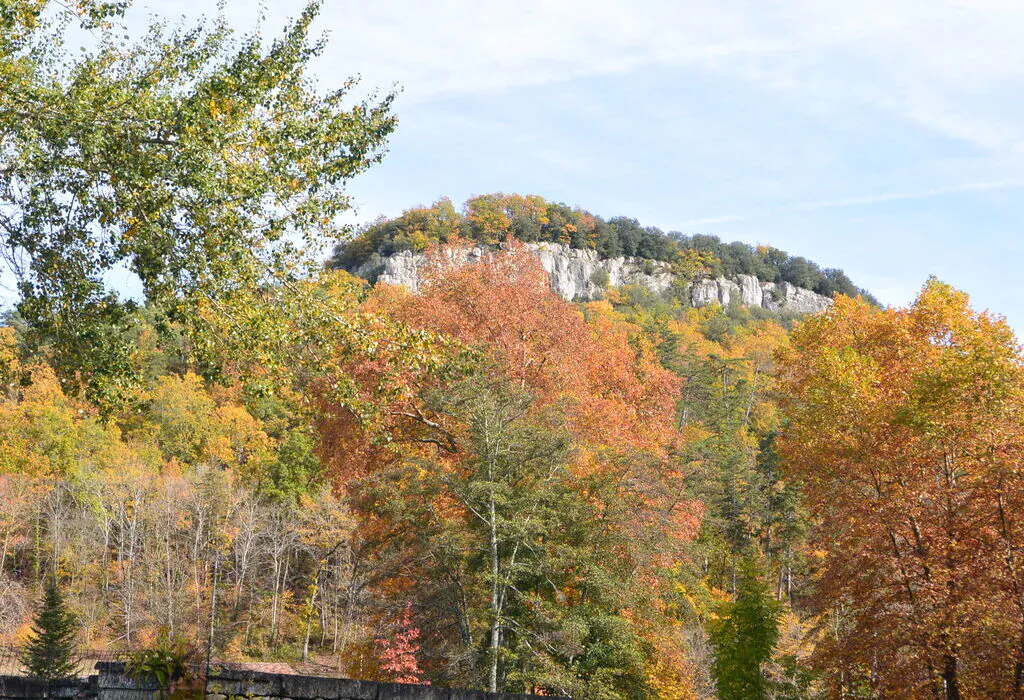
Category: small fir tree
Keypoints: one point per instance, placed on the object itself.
(50, 654)
(398, 654)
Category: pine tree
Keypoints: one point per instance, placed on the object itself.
(50, 654)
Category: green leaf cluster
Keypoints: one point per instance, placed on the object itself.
(166, 661)
(202, 164)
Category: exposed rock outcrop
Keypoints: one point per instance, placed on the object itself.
(582, 274)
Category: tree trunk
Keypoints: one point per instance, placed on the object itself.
(213, 603)
(274, 599)
(495, 600)
(950, 684)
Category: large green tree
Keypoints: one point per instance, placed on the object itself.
(531, 573)
(744, 634)
(207, 165)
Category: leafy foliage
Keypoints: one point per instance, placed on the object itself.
(398, 652)
(170, 664)
(745, 633)
(193, 160)
(904, 426)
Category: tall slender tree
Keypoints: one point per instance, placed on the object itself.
(744, 634)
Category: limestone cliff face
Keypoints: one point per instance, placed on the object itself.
(581, 274)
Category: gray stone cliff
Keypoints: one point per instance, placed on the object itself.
(582, 274)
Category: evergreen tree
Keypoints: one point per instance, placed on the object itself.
(50, 654)
(744, 636)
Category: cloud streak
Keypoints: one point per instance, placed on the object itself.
(946, 65)
(883, 197)
(859, 201)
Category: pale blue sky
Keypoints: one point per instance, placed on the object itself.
(885, 137)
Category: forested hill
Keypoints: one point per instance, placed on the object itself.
(496, 483)
(491, 218)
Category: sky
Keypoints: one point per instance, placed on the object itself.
(883, 137)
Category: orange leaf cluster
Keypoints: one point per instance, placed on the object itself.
(618, 394)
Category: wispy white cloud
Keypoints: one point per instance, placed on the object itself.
(883, 197)
(942, 63)
(711, 220)
(857, 201)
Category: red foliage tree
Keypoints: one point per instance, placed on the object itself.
(503, 305)
(397, 653)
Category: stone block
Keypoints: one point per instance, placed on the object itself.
(307, 687)
(243, 683)
(411, 691)
(460, 694)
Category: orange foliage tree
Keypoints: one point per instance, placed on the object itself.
(504, 306)
(905, 427)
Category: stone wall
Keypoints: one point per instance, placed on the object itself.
(111, 683)
(114, 684)
(225, 684)
(12, 687)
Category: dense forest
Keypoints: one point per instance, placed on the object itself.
(480, 484)
(492, 218)
(613, 463)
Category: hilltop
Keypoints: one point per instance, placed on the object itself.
(490, 219)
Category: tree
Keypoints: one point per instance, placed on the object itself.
(487, 218)
(744, 635)
(905, 427)
(193, 160)
(51, 653)
(532, 557)
(398, 652)
(508, 485)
